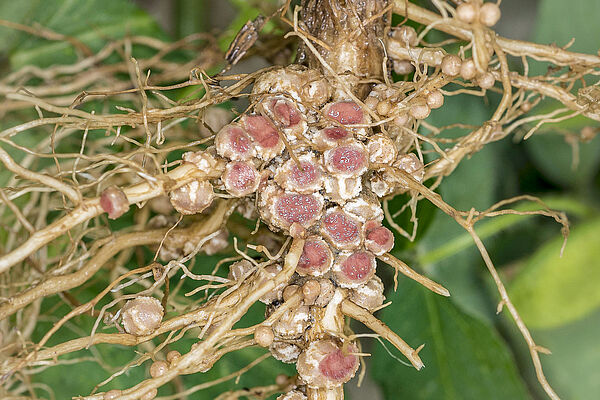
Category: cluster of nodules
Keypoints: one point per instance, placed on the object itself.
(451, 65)
(318, 169)
(309, 152)
(157, 368)
(307, 161)
(322, 360)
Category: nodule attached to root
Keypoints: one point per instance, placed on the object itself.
(345, 112)
(401, 67)
(173, 356)
(324, 364)
(305, 177)
(285, 352)
(158, 368)
(382, 149)
(316, 258)
(240, 178)
(239, 270)
(264, 134)
(331, 137)
(370, 295)
(347, 160)
(486, 80)
(406, 35)
(304, 209)
(378, 239)
(285, 114)
(435, 99)
(411, 164)
(296, 161)
(467, 12)
(419, 110)
(341, 230)
(451, 64)
(293, 322)
(311, 291)
(263, 335)
(114, 202)
(354, 269)
(468, 70)
(234, 143)
(142, 315)
(489, 14)
(193, 197)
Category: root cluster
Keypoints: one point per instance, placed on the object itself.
(295, 187)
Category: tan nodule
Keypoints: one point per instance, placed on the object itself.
(264, 336)
(158, 368)
(141, 316)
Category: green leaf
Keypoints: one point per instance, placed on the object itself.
(572, 367)
(495, 225)
(245, 12)
(92, 22)
(464, 358)
(559, 21)
(472, 184)
(553, 156)
(553, 291)
(425, 214)
(192, 17)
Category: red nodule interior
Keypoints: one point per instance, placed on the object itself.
(346, 112)
(336, 133)
(348, 158)
(239, 140)
(242, 176)
(380, 235)
(299, 208)
(314, 255)
(357, 266)
(305, 176)
(106, 202)
(261, 130)
(341, 227)
(285, 112)
(337, 366)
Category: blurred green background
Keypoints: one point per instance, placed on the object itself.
(470, 352)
